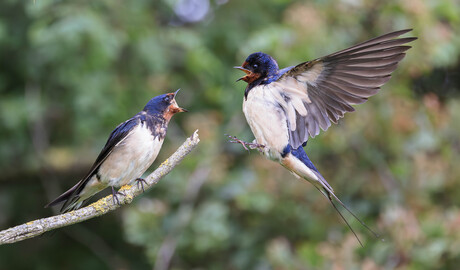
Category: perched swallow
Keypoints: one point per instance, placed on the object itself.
(285, 107)
(130, 150)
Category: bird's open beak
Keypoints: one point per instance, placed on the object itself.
(181, 109)
(174, 107)
(245, 70)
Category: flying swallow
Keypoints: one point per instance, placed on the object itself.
(130, 150)
(285, 107)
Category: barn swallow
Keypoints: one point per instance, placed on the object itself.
(130, 150)
(285, 107)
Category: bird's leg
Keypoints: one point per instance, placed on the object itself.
(234, 139)
(114, 196)
(142, 181)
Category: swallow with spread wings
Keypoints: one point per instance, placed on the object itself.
(285, 107)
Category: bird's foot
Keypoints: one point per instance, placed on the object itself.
(115, 196)
(141, 181)
(246, 145)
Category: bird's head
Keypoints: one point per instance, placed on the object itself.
(164, 105)
(258, 65)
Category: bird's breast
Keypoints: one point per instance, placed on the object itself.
(132, 157)
(267, 120)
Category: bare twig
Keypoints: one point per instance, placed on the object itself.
(101, 207)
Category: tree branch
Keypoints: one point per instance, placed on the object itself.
(102, 206)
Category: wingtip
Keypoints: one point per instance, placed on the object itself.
(403, 31)
(410, 39)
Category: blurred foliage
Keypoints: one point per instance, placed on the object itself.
(72, 70)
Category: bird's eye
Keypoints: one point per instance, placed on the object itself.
(167, 99)
(255, 66)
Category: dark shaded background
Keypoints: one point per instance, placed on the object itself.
(72, 70)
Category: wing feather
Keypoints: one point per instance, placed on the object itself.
(314, 93)
(371, 62)
(366, 72)
(118, 135)
(299, 106)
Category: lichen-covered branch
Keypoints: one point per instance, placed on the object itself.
(101, 207)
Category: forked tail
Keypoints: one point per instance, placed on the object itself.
(327, 190)
(70, 199)
(63, 197)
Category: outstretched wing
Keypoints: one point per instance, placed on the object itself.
(317, 92)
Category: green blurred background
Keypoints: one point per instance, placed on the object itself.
(72, 70)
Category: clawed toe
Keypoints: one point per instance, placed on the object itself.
(115, 197)
(234, 139)
(141, 181)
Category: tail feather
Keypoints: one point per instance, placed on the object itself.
(74, 204)
(300, 154)
(351, 212)
(63, 197)
(343, 218)
(321, 184)
(70, 198)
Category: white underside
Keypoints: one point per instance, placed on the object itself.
(268, 123)
(128, 161)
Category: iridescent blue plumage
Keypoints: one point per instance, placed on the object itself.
(301, 155)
